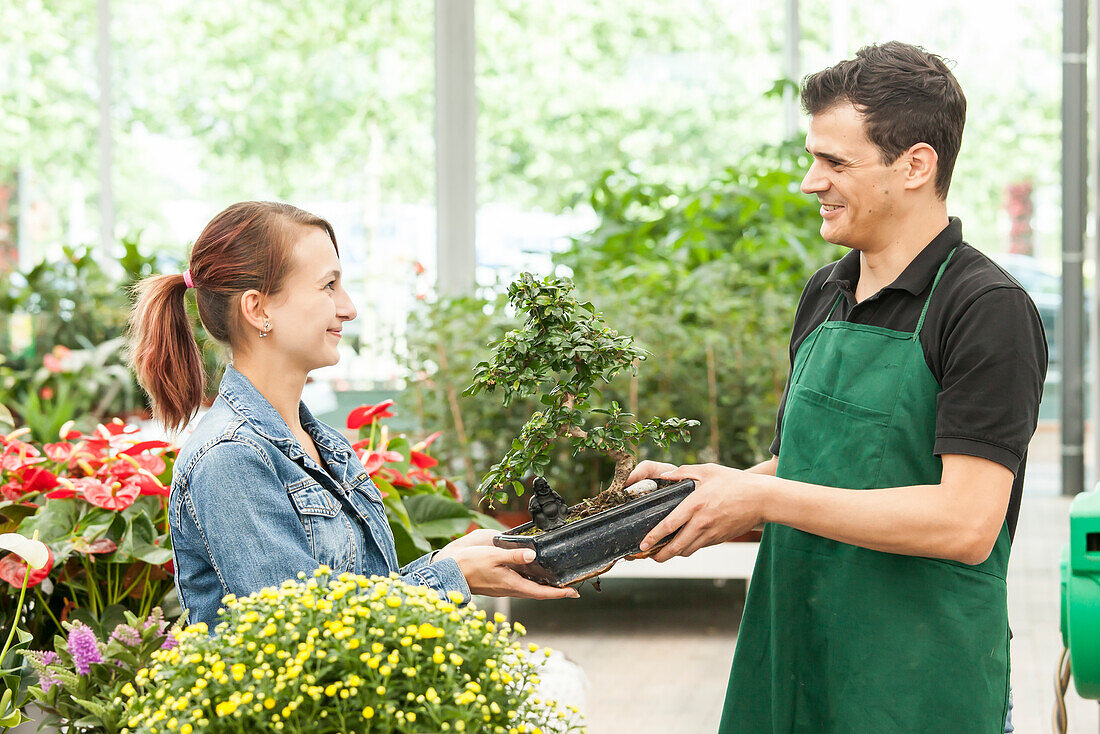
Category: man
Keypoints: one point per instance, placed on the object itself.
(917, 366)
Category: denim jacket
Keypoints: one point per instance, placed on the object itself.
(249, 508)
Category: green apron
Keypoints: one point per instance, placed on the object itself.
(838, 639)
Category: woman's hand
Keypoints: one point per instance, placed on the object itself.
(481, 536)
(491, 571)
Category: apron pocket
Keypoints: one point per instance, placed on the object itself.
(856, 432)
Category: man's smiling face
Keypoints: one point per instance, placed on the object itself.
(859, 194)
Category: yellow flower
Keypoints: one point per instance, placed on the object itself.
(225, 708)
(368, 712)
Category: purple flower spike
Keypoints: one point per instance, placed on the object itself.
(43, 658)
(169, 642)
(127, 635)
(84, 648)
(155, 617)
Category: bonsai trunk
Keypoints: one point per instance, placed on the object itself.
(624, 462)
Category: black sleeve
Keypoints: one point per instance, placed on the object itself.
(994, 364)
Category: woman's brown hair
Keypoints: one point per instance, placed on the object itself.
(248, 246)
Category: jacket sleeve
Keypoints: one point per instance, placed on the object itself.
(247, 523)
(444, 576)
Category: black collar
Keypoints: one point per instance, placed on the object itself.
(917, 276)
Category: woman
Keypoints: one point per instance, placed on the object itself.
(262, 490)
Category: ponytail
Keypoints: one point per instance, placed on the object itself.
(164, 352)
(247, 246)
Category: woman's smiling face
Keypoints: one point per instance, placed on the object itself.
(309, 312)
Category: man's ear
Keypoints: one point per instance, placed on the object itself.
(252, 304)
(921, 163)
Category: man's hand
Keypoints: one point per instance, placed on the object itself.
(649, 470)
(726, 503)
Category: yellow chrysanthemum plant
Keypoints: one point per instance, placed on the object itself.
(347, 653)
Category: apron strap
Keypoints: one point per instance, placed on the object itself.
(939, 274)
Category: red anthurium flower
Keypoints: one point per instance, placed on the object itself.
(364, 415)
(373, 463)
(13, 569)
(360, 445)
(17, 455)
(137, 448)
(419, 476)
(147, 485)
(12, 490)
(113, 496)
(129, 465)
(423, 445)
(376, 459)
(38, 480)
(65, 490)
(116, 436)
(27, 481)
(422, 461)
(58, 452)
(395, 477)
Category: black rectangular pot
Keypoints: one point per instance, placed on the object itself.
(587, 548)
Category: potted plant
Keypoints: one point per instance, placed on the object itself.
(340, 653)
(562, 353)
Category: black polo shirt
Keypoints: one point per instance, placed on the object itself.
(982, 340)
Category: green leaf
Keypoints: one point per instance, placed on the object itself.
(436, 516)
(54, 521)
(410, 543)
(486, 521)
(95, 524)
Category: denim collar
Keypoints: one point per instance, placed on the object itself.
(249, 403)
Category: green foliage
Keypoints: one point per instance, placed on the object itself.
(708, 281)
(95, 700)
(70, 362)
(73, 301)
(562, 352)
(424, 509)
(705, 278)
(13, 682)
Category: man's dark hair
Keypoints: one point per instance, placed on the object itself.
(906, 96)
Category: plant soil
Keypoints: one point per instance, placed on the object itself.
(605, 500)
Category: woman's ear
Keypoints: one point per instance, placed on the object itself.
(921, 161)
(252, 309)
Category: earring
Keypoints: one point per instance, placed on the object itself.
(267, 328)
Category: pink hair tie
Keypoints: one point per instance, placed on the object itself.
(187, 279)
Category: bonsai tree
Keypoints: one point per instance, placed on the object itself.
(562, 352)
